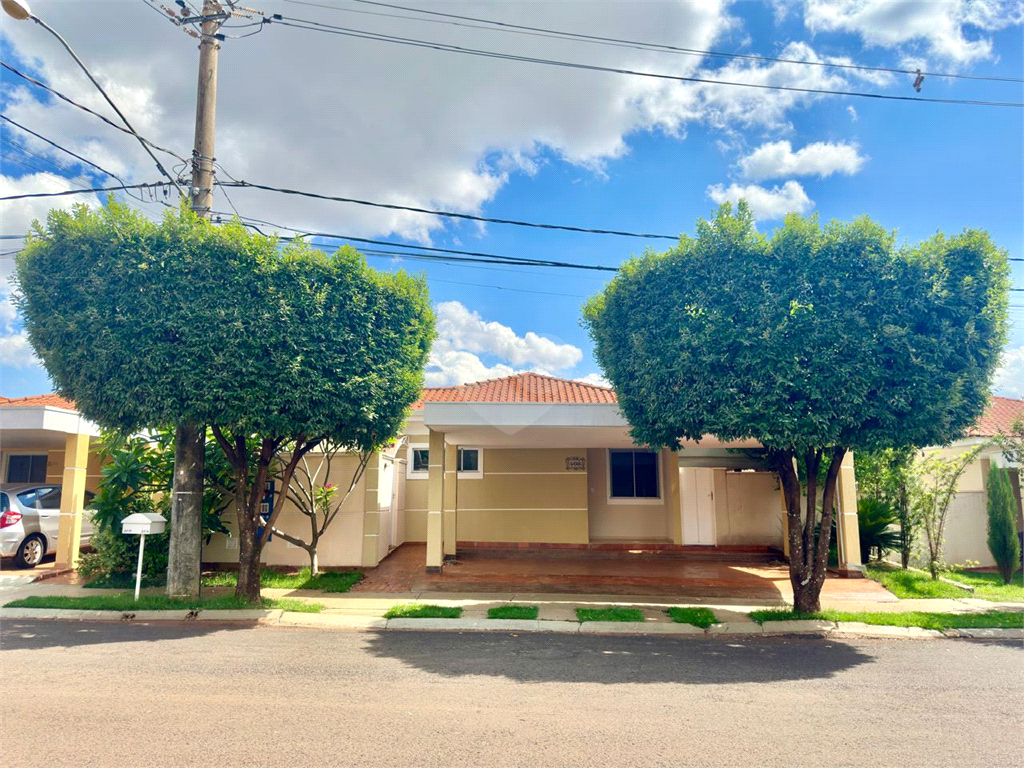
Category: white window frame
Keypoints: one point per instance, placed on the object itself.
(635, 500)
(31, 455)
(476, 474)
(417, 474)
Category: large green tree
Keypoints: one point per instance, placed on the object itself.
(277, 349)
(814, 341)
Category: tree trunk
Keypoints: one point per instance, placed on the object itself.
(314, 563)
(906, 530)
(186, 524)
(248, 587)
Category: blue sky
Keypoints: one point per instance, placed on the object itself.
(519, 141)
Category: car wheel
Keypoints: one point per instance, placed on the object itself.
(31, 552)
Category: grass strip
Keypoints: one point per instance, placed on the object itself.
(418, 611)
(127, 602)
(915, 584)
(327, 581)
(527, 612)
(699, 617)
(609, 614)
(987, 620)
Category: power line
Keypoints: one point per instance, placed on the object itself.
(495, 25)
(448, 214)
(316, 26)
(33, 195)
(84, 108)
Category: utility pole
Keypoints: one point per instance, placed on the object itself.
(186, 545)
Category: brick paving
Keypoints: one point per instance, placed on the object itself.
(606, 573)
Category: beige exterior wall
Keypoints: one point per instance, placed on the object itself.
(634, 521)
(55, 465)
(525, 495)
(747, 509)
(342, 545)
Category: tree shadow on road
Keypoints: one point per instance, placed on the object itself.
(32, 634)
(620, 659)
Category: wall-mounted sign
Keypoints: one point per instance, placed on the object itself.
(575, 463)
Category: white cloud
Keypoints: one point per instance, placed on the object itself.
(466, 330)
(765, 204)
(1009, 378)
(852, 112)
(952, 30)
(597, 379)
(17, 215)
(463, 336)
(15, 351)
(823, 158)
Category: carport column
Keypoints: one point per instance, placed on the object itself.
(451, 500)
(72, 500)
(846, 523)
(371, 512)
(435, 502)
(670, 460)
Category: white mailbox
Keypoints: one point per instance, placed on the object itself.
(142, 523)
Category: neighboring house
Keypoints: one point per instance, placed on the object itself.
(536, 461)
(44, 440)
(967, 521)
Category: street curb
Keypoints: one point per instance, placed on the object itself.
(277, 617)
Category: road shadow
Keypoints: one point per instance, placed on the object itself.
(619, 659)
(33, 634)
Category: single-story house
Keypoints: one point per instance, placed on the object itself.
(967, 520)
(536, 461)
(45, 440)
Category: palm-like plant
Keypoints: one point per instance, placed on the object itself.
(879, 528)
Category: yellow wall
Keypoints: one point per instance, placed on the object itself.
(525, 495)
(341, 545)
(55, 465)
(636, 522)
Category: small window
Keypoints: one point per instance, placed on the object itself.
(469, 460)
(420, 460)
(26, 469)
(634, 474)
(48, 498)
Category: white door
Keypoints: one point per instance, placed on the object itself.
(697, 497)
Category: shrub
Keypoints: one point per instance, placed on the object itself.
(1002, 524)
(115, 555)
(877, 521)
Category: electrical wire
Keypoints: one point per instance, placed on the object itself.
(74, 103)
(448, 214)
(495, 25)
(36, 195)
(316, 26)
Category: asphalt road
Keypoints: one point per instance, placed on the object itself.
(84, 694)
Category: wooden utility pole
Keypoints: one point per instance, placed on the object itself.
(186, 546)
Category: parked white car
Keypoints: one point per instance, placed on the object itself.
(29, 520)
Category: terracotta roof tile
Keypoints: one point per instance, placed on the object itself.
(49, 400)
(521, 388)
(998, 418)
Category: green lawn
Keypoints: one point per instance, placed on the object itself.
(701, 617)
(609, 614)
(416, 611)
(127, 602)
(528, 612)
(328, 581)
(914, 584)
(122, 581)
(996, 619)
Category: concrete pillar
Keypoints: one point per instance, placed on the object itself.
(451, 500)
(846, 523)
(435, 502)
(371, 512)
(72, 500)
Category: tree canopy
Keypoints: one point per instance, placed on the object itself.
(814, 336)
(147, 324)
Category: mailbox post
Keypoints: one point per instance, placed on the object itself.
(142, 523)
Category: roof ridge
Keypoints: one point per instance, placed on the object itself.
(521, 375)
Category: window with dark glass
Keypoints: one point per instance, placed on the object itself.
(420, 460)
(634, 474)
(469, 459)
(26, 469)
